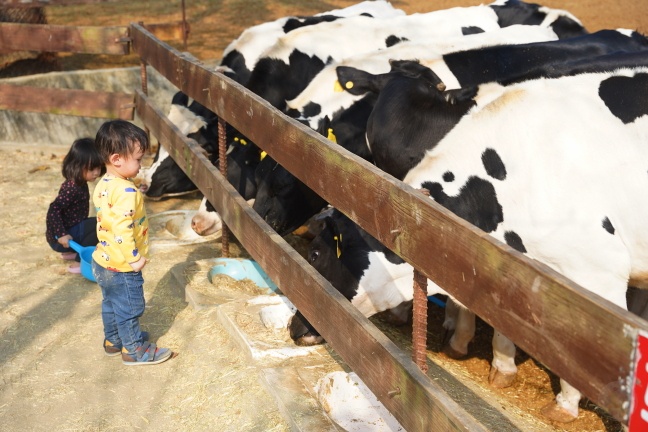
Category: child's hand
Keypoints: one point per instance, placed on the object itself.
(139, 264)
(65, 240)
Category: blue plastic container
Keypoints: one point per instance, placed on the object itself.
(239, 268)
(85, 253)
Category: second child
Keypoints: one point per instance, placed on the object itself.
(67, 217)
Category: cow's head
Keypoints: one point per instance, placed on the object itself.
(282, 200)
(164, 178)
(243, 157)
(341, 254)
(411, 99)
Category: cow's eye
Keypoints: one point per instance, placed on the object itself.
(312, 257)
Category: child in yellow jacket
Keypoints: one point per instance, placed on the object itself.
(122, 230)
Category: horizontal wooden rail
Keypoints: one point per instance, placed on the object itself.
(420, 405)
(587, 341)
(55, 38)
(67, 102)
(42, 3)
(78, 39)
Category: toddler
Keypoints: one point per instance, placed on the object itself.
(122, 229)
(67, 217)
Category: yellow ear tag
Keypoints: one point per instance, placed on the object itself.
(243, 142)
(337, 87)
(349, 85)
(236, 139)
(263, 154)
(337, 245)
(331, 135)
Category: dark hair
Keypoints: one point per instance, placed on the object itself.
(83, 156)
(120, 137)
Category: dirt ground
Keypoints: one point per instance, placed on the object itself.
(53, 374)
(53, 370)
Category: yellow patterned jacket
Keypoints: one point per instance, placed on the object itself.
(122, 225)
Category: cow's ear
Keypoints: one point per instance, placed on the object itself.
(356, 81)
(461, 95)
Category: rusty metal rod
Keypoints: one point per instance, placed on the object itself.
(222, 166)
(419, 324)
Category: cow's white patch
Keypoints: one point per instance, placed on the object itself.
(350, 403)
(187, 122)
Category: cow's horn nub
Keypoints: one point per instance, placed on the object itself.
(441, 87)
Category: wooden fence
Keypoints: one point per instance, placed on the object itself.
(74, 39)
(586, 340)
(582, 338)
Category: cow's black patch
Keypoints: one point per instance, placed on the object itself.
(311, 109)
(181, 99)
(566, 28)
(513, 239)
(493, 164)
(393, 40)
(476, 203)
(517, 12)
(235, 61)
(471, 30)
(608, 226)
(626, 97)
(292, 112)
(276, 82)
(295, 23)
(350, 125)
(448, 176)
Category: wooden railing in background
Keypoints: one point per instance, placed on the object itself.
(73, 39)
(43, 3)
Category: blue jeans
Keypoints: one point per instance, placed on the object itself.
(122, 305)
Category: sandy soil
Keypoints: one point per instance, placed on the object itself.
(53, 372)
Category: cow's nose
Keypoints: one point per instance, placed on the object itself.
(143, 188)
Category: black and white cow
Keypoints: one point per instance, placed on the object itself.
(240, 56)
(285, 69)
(243, 159)
(164, 178)
(372, 278)
(274, 79)
(324, 96)
(280, 195)
(551, 167)
(285, 202)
